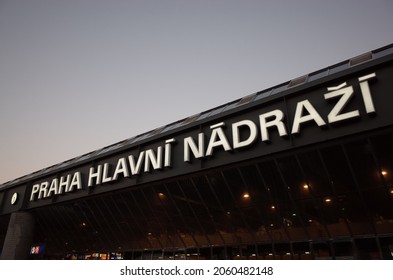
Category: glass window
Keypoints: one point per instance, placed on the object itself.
(380, 206)
(293, 177)
(265, 251)
(192, 253)
(367, 249)
(317, 181)
(344, 250)
(363, 163)
(312, 218)
(208, 191)
(334, 216)
(386, 247)
(178, 213)
(353, 212)
(205, 254)
(301, 251)
(255, 194)
(338, 170)
(322, 251)
(282, 251)
(229, 199)
(206, 233)
(273, 182)
(291, 224)
(383, 148)
(244, 199)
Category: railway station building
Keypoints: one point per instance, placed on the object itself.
(302, 170)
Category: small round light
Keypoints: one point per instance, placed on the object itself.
(384, 173)
(161, 195)
(14, 198)
(273, 207)
(328, 200)
(246, 195)
(305, 187)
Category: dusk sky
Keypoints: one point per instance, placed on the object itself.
(78, 75)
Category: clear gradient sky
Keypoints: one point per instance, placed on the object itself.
(78, 75)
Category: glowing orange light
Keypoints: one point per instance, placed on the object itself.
(246, 195)
(384, 173)
(327, 200)
(305, 187)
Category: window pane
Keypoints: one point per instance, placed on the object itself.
(317, 180)
(338, 170)
(363, 164)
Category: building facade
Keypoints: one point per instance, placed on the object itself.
(302, 170)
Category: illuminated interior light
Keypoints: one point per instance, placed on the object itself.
(391, 191)
(271, 225)
(288, 254)
(305, 187)
(307, 253)
(149, 233)
(273, 207)
(328, 200)
(384, 173)
(294, 214)
(246, 195)
(161, 195)
(270, 254)
(310, 221)
(253, 255)
(228, 213)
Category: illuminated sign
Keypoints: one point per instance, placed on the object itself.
(225, 135)
(36, 250)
